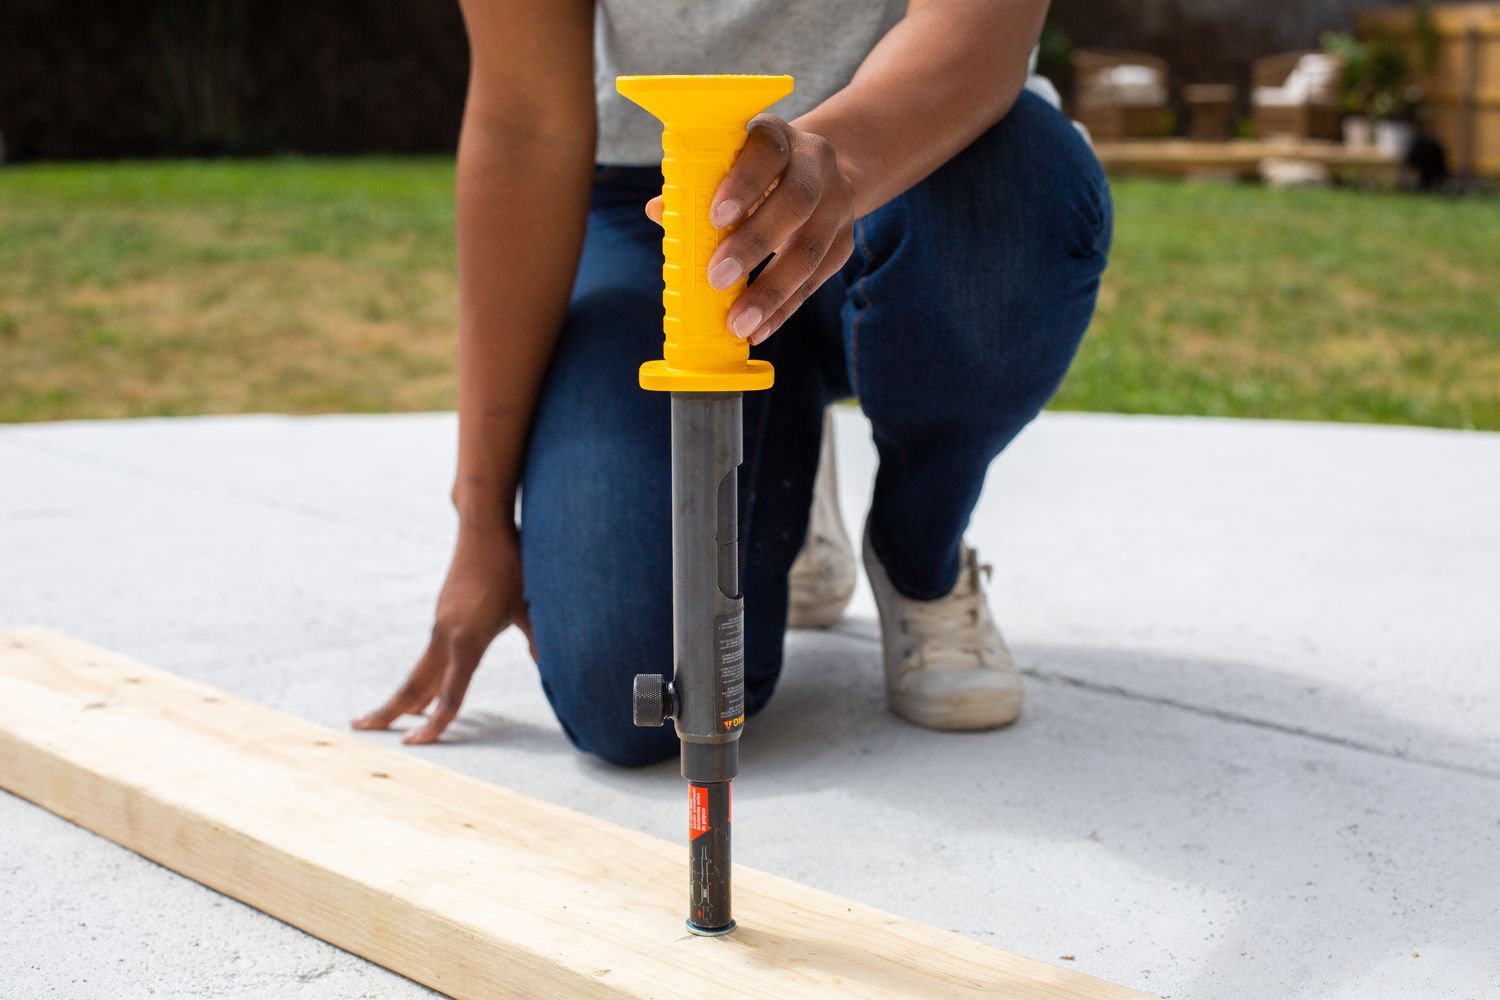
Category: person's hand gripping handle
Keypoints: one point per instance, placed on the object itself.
(703, 128)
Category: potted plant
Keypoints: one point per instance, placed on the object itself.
(1376, 91)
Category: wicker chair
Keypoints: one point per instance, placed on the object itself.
(1119, 94)
(1296, 97)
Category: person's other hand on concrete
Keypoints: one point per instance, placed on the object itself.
(481, 597)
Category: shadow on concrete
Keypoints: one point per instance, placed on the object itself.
(1289, 826)
(479, 727)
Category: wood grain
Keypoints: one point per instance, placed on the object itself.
(466, 887)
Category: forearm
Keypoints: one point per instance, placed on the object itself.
(943, 75)
(522, 204)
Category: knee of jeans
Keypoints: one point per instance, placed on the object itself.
(588, 663)
(625, 744)
(997, 259)
(597, 719)
(1019, 201)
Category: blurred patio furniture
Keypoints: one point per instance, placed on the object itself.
(1296, 95)
(1210, 110)
(1118, 94)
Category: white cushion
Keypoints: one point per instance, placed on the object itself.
(1320, 69)
(1313, 78)
(1131, 83)
(1131, 75)
(1273, 97)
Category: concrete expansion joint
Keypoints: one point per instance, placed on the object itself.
(1223, 715)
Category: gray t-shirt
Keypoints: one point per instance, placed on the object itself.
(820, 42)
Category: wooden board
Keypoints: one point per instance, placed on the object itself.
(463, 886)
(1241, 157)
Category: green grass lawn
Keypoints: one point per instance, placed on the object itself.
(307, 286)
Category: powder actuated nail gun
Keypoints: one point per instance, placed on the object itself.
(706, 369)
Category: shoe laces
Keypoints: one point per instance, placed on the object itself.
(953, 629)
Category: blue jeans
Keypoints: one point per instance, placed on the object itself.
(953, 323)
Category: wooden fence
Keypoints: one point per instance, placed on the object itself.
(1463, 83)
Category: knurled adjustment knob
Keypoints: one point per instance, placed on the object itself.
(651, 700)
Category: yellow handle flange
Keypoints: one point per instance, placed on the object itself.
(703, 127)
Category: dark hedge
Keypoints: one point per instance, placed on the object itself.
(94, 78)
(91, 78)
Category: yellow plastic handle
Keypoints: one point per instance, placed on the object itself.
(703, 127)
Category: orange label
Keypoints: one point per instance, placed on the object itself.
(697, 812)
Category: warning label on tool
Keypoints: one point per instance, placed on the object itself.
(697, 812)
(729, 656)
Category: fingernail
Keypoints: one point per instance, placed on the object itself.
(725, 273)
(725, 213)
(747, 321)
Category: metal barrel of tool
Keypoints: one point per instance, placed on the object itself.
(706, 370)
(706, 697)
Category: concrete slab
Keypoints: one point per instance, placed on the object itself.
(1261, 755)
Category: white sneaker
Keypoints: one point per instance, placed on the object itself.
(946, 663)
(821, 580)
